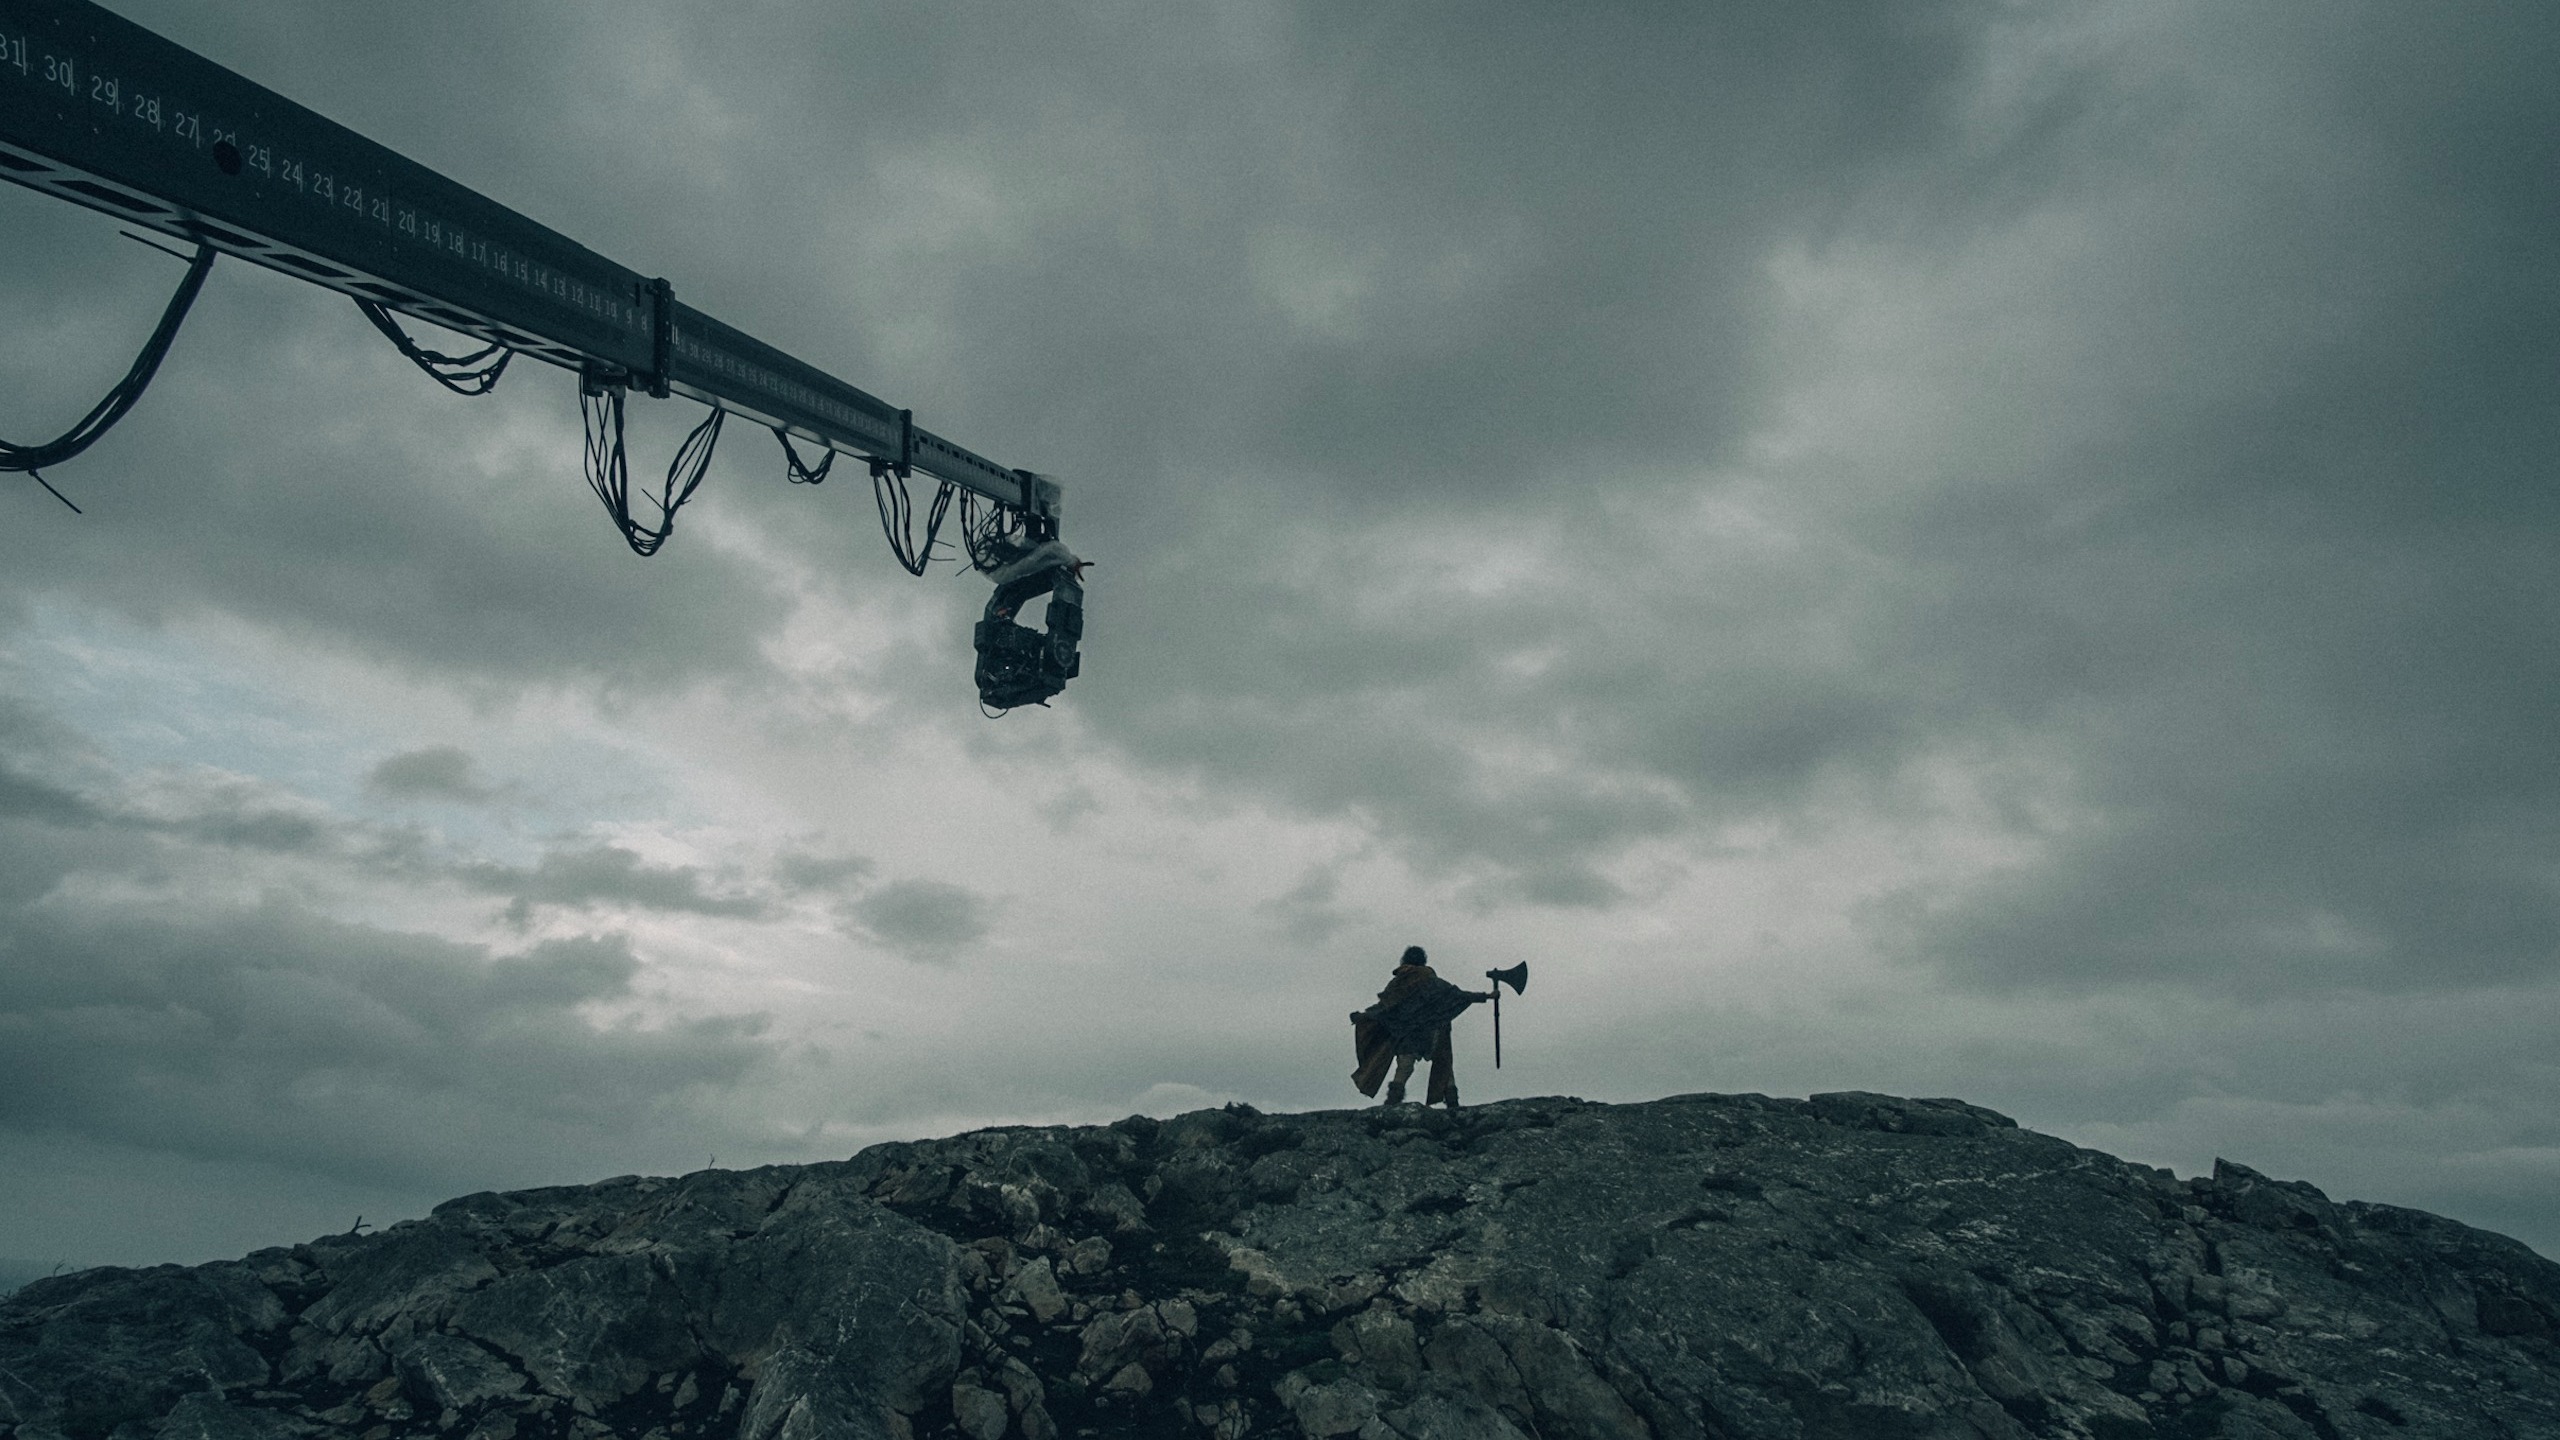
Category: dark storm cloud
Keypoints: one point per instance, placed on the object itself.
(803, 873)
(1536, 730)
(28, 798)
(586, 875)
(2294, 626)
(2226, 503)
(927, 920)
(279, 1035)
(437, 772)
(2258, 555)
(1563, 216)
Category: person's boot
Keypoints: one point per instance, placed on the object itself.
(1453, 1099)
(1395, 1093)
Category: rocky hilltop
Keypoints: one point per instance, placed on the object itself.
(1710, 1267)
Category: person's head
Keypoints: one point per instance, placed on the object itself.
(1413, 956)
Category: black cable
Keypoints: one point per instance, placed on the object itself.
(102, 417)
(472, 374)
(993, 533)
(150, 244)
(897, 516)
(56, 494)
(799, 472)
(609, 467)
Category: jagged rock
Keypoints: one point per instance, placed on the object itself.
(412, 1273)
(1118, 1339)
(980, 1413)
(1089, 1256)
(204, 1416)
(83, 1354)
(446, 1372)
(1700, 1268)
(595, 1328)
(1340, 1407)
(1035, 1286)
(1381, 1345)
(1447, 1415)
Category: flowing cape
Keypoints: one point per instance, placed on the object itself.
(1411, 1017)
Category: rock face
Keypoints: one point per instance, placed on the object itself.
(1699, 1268)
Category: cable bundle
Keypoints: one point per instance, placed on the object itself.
(609, 467)
(102, 417)
(472, 374)
(897, 515)
(800, 472)
(992, 533)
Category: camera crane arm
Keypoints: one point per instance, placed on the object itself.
(99, 111)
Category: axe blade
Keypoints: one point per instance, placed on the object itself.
(1517, 977)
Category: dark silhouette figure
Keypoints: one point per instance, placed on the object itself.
(1410, 1021)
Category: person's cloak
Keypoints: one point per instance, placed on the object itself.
(1411, 1018)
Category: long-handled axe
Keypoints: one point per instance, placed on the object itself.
(1517, 977)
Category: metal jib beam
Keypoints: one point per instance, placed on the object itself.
(101, 112)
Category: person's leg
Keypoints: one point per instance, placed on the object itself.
(1395, 1087)
(1444, 1073)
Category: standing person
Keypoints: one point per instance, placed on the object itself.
(1410, 1020)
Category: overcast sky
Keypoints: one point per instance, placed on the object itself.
(2005, 550)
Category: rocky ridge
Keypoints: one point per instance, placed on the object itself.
(1698, 1268)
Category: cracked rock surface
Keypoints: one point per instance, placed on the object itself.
(1709, 1267)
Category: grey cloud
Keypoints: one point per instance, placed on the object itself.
(141, 1006)
(928, 920)
(2292, 628)
(1070, 807)
(2256, 558)
(1341, 270)
(606, 875)
(805, 872)
(1607, 194)
(379, 1056)
(2253, 832)
(1307, 912)
(1658, 701)
(50, 799)
(437, 772)
(239, 813)
(38, 755)
(214, 809)
(26, 798)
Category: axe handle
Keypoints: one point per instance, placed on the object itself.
(1497, 1024)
